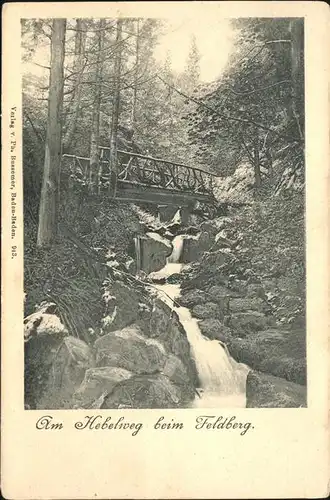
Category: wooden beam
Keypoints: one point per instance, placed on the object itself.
(149, 194)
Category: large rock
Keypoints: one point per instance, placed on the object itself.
(145, 391)
(195, 246)
(192, 297)
(214, 329)
(43, 335)
(122, 307)
(129, 349)
(164, 325)
(209, 227)
(166, 212)
(248, 321)
(220, 294)
(98, 383)
(221, 240)
(203, 276)
(154, 251)
(255, 290)
(281, 353)
(239, 288)
(249, 304)
(174, 279)
(216, 259)
(217, 291)
(175, 370)
(44, 322)
(207, 310)
(66, 373)
(267, 391)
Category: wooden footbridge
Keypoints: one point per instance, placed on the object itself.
(140, 178)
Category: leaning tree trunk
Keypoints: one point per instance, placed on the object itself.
(49, 199)
(78, 68)
(116, 108)
(297, 73)
(95, 134)
(256, 160)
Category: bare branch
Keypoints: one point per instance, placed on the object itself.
(221, 115)
(41, 65)
(259, 89)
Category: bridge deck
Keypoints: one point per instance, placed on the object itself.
(142, 178)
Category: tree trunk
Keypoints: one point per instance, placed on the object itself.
(95, 135)
(78, 67)
(49, 199)
(256, 162)
(297, 72)
(136, 72)
(116, 108)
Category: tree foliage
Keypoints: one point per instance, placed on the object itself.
(254, 113)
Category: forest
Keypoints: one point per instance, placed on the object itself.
(93, 263)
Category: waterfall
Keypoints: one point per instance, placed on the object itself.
(222, 379)
(137, 245)
(177, 249)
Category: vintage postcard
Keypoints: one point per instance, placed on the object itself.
(165, 249)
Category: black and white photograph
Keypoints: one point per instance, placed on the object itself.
(165, 250)
(164, 213)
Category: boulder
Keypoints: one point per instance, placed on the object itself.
(166, 212)
(158, 278)
(130, 266)
(97, 383)
(207, 310)
(221, 240)
(44, 322)
(214, 329)
(165, 326)
(175, 370)
(195, 246)
(203, 276)
(66, 373)
(130, 349)
(216, 259)
(238, 288)
(255, 290)
(144, 391)
(192, 297)
(160, 320)
(122, 307)
(209, 227)
(189, 231)
(248, 321)
(154, 251)
(217, 292)
(248, 304)
(220, 294)
(278, 352)
(43, 335)
(174, 279)
(267, 391)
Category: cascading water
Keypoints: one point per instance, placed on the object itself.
(222, 379)
(177, 244)
(137, 245)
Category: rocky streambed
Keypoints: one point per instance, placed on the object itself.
(178, 330)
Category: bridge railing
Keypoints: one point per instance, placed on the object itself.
(147, 170)
(139, 169)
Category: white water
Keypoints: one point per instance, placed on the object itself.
(222, 379)
(137, 244)
(177, 249)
